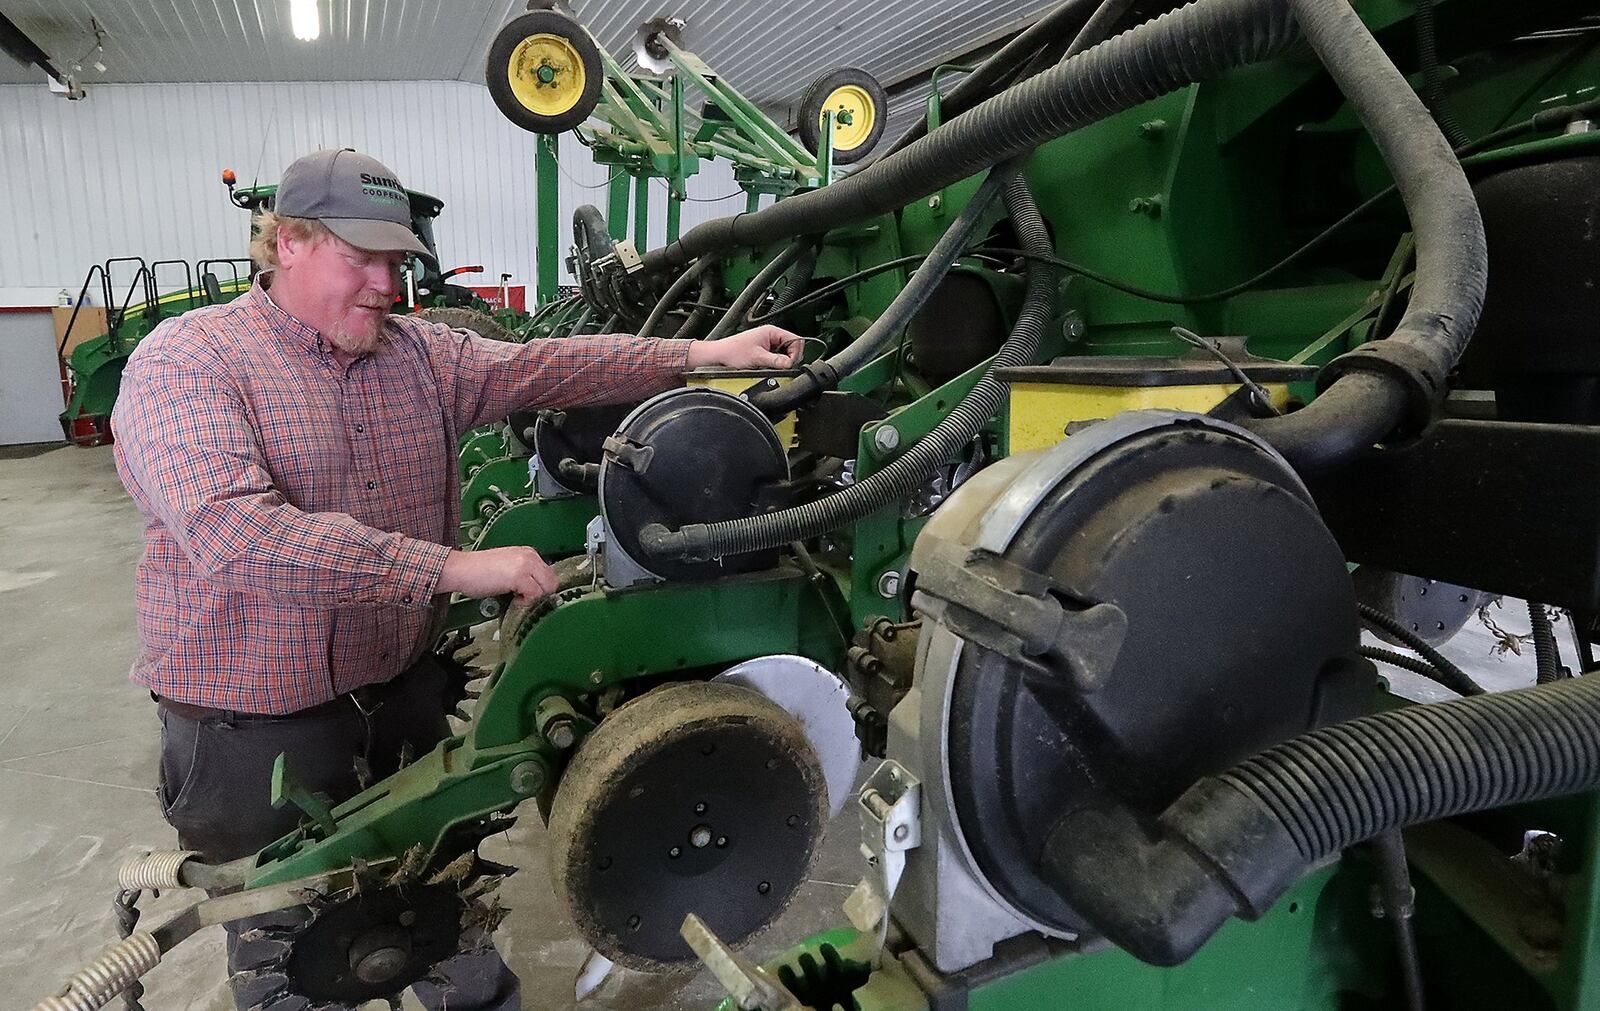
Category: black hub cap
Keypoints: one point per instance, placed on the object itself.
(690, 456)
(376, 943)
(701, 798)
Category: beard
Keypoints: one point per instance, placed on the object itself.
(358, 338)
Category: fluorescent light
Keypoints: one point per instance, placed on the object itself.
(305, 20)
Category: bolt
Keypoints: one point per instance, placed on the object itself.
(900, 832)
(380, 966)
(700, 808)
(889, 585)
(1150, 205)
(597, 677)
(526, 778)
(561, 732)
(935, 202)
(700, 836)
(1153, 129)
(489, 607)
(886, 438)
(1073, 327)
(408, 918)
(675, 852)
(764, 888)
(722, 841)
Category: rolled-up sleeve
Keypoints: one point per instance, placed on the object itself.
(493, 378)
(186, 450)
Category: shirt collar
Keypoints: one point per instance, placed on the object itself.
(281, 321)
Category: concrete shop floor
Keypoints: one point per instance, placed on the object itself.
(78, 768)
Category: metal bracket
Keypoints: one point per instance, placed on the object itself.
(1021, 614)
(627, 255)
(891, 825)
(629, 454)
(286, 789)
(751, 987)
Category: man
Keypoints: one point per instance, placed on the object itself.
(293, 454)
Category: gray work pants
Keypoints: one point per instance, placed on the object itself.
(215, 786)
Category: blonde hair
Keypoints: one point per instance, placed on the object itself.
(264, 236)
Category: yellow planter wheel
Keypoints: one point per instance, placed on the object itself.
(544, 72)
(860, 107)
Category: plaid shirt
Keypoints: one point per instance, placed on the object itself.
(297, 512)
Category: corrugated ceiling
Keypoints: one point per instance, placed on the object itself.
(768, 51)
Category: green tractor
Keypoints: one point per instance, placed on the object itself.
(96, 365)
(1117, 366)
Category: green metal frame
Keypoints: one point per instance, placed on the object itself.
(1181, 195)
(566, 649)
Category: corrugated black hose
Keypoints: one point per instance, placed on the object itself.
(1233, 843)
(798, 280)
(1002, 67)
(1415, 665)
(1197, 42)
(1427, 25)
(901, 477)
(1450, 675)
(1546, 654)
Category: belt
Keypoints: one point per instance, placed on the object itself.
(360, 699)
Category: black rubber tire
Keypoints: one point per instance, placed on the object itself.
(506, 42)
(809, 116)
(461, 318)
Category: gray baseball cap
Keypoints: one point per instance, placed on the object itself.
(360, 200)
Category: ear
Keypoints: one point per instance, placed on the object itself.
(289, 248)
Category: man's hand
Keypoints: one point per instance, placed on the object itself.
(765, 347)
(497, 571)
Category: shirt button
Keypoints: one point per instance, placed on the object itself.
(406, 599)
(360, 428)
(371, 485)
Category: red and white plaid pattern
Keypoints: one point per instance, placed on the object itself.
(297, 513)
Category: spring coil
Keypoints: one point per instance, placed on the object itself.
(99, 982)
(154, 871)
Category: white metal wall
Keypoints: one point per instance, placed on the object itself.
(135, 170)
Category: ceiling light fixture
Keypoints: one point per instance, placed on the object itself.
(305, 20)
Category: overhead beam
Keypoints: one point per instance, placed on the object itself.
(24, 50)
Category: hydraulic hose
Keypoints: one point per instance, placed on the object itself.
(1413, 664)
(1392, 384)
(902, 476)
(799, 278)
(1234, 842)
(1194, 43)
(1546, 654)
(703, 308)
(675, 291)
(1427, 26)
(825, 375)
(764, 279)
(1002, 66)
(1450, 675)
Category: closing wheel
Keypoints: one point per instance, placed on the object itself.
(860, 109)
(462, 318)
(544, 72)
(694, 798)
